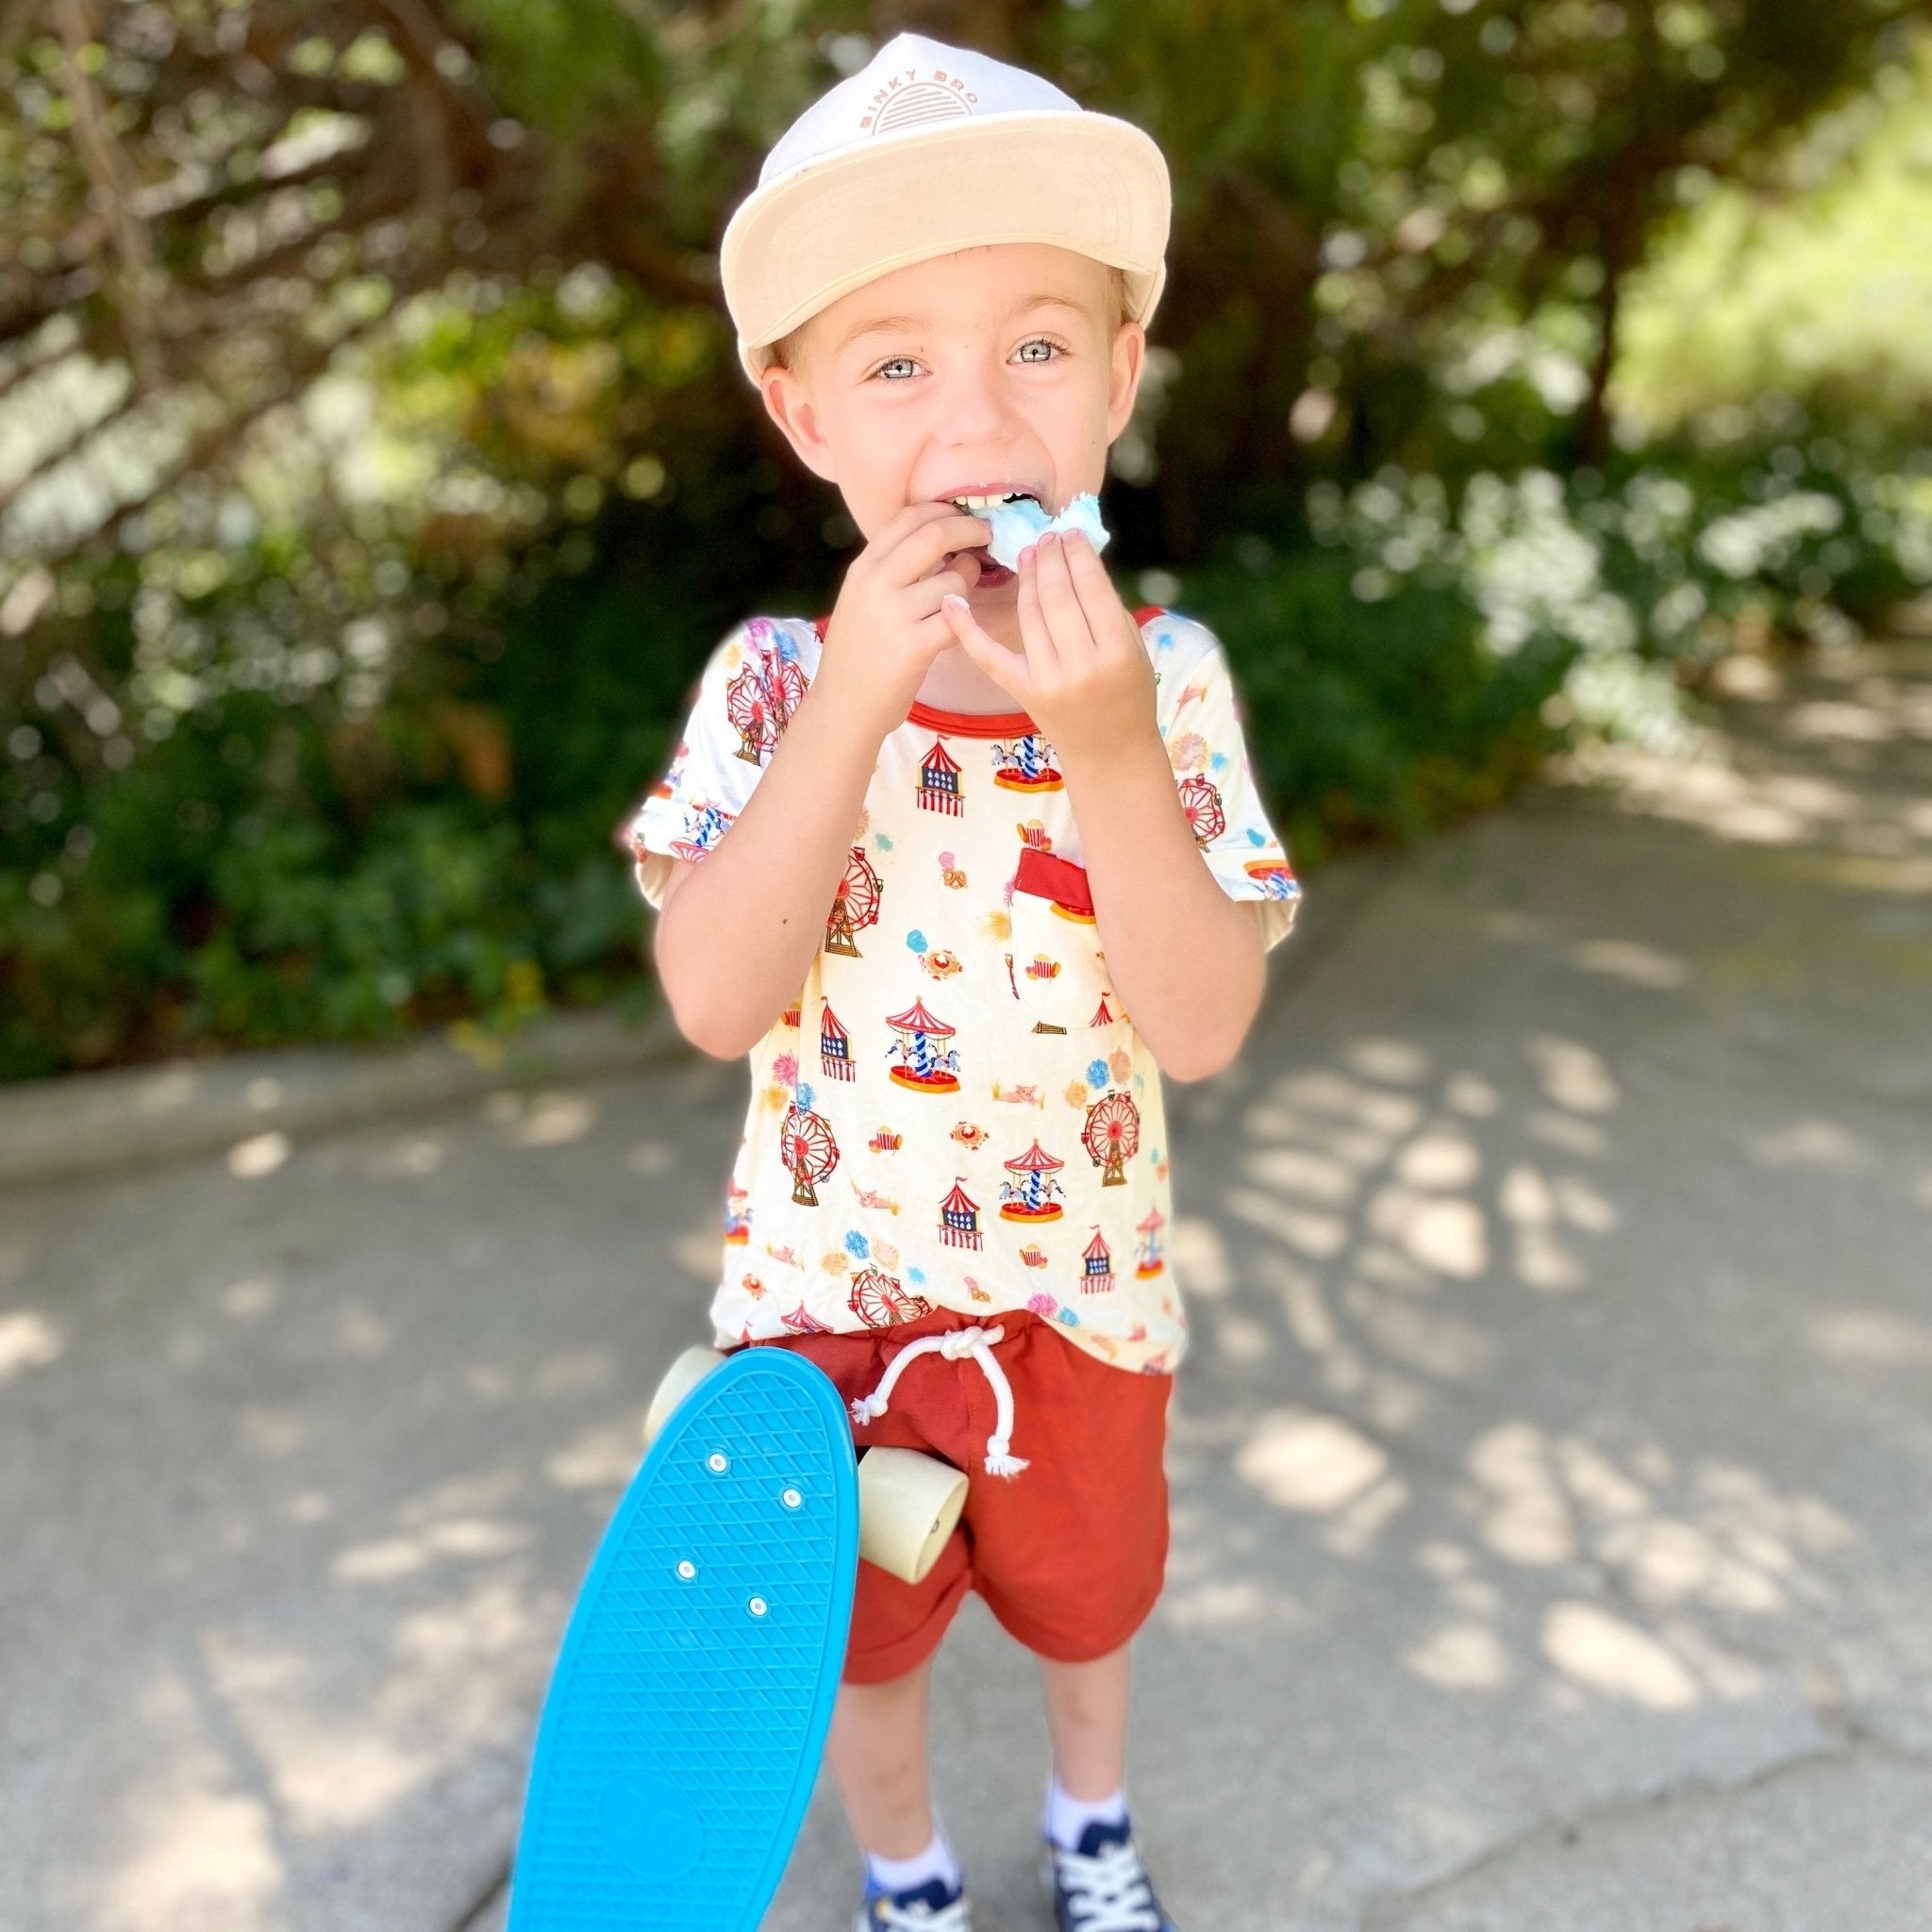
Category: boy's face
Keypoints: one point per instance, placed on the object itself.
(987, 372)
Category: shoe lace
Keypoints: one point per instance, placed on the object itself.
(1109, 1892)
(888, 1917)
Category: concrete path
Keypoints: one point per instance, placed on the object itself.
(1551, 1544)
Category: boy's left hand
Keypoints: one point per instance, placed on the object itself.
(1084, 677)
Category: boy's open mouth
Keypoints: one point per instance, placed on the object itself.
(992, 574)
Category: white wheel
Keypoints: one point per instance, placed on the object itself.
(908, 1504)
(681, 1378)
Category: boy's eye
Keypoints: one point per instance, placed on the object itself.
(1033, 343)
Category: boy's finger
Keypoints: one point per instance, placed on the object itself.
(992, 657)
(1099, 600)
(1061, 603)
(1042, 659)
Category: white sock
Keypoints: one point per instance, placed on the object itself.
(902, 1874)
(1068, 1817)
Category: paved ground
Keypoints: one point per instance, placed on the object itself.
(1551, 1545)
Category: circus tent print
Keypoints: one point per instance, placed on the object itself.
(921, 1062)
(1096, 1265)
(1030, 1195)
(938, 781)
(835, 1047)
(959, 1218)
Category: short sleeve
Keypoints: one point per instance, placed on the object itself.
(745, 696)
(1201, 724)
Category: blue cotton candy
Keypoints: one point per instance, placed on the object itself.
(1016, 524)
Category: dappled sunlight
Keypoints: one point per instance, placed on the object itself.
(1872, 1338)
(27, 1341)
(259, 1156)
(542, 1119)
(1615, 1658)
(1308, 1462)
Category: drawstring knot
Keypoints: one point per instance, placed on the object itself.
(955, 1345)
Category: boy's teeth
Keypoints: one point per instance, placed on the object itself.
(973, 503)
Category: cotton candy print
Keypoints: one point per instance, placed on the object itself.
(958, 1112)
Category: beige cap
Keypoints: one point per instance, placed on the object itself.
(928, 149)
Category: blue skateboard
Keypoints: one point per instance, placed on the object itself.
(688, 1711)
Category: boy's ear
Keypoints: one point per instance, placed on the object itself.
(1124, 370)
(789, 403)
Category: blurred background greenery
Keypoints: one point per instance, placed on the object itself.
(376, 471)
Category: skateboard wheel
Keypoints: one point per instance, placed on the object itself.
(908, 1504)
(684, 1374)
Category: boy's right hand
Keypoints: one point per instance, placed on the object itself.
(887, 627)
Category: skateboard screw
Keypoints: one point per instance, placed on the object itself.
(687, 1569)
(792, 1499)
(717, 1462)
(757, 1607)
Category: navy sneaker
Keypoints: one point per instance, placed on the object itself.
(929, 1907)
(1103, 1887)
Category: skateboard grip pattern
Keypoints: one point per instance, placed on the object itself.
(686, 1714)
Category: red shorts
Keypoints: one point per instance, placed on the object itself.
(1069, 1554)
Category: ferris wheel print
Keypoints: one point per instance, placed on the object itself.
(759, 701)
(808, 1149)
(1112, 1135)
(856, 904)
(1201, 802)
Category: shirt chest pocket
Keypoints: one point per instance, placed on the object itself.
(1058, 974)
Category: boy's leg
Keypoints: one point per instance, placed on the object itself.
(1086, 1714)
(877, 1751)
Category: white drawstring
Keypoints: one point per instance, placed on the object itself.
(955, 1345)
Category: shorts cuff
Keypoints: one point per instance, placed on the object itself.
(882, 1664)
(1059, 1650)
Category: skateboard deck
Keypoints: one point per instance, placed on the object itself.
(688, 1711)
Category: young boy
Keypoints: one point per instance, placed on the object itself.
(965, 866)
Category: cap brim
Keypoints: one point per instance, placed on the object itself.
(1083, 181)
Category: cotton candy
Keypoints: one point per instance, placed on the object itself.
(1018, 524)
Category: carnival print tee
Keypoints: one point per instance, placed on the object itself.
(957, 1111)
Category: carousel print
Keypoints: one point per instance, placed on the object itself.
(708, 823)
(1147, 1262)
(923, 1065)
(1029, 1195)
(1278, 880)
(808, 1149)
(1201, 802)
(959, 1218)
(938, 781)
(879, 1302)
(759, 701)
(835, 1047)
(855, 907)
(1025, 764)
(1097, 1271)
(1112, 1135)
(736, 1221)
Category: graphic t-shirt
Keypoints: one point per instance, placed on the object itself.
(957, 1111)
